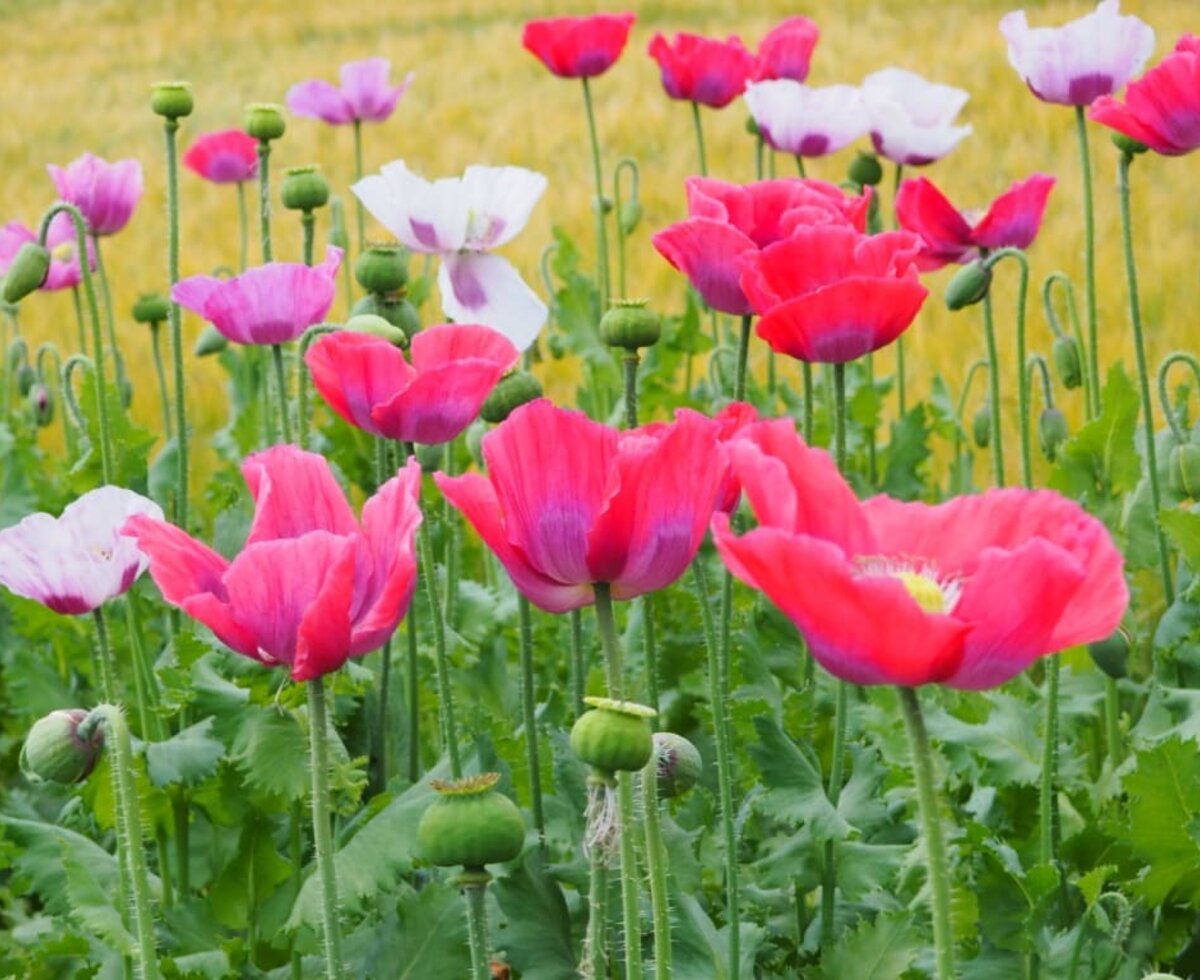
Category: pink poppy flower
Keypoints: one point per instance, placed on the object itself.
(312, 586)
(269, 304)
(805, 121)
(786, 50)
(729, 220)
(61, 240)
(365, 95)
(948, 235)
(368, 382)
(75, 563)
(578, 47)
(967, 593)
(462, 219)
(106, 193)
(702, 69)
(1162, 108)
(829, 295)
(569, 502)
(1088, 57)
(912, 120)
(228, 156)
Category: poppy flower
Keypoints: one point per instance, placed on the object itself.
(368, 382)
(269, 304)
(61, 240)
(805, 121)
(786, 50)
(1162, 108)
(75, 563)
(912, 119)
(462, 219)
(228, 156)
(105, 193)
(1012, 220)
(966, 593)
(365, 95)
(702, 69)
(312, 586)
(728, 221)
(829, 294)
(578, 47)
(569, 502)
(1088, 57)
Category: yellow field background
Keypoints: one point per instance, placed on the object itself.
(78, 73)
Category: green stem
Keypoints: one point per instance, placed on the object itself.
(699, 138)
(243, 227)
(901, 399)
(1089, 256)
(170, 127)
(79, 325)
(306, 341)
(414, 696)
(182, 835)
(1112, 729)
(109, 321)
(477, 928)
(631, 400)
(264, 198)
(1046, 801)
(618, 209)
(960, 431)
(385, 654)
(322, 832)
(163, 394)
(743, 354)
(602, 279)
(453, 529)
(1164, 369)
(285, 416)
(528, 710)
(578, 671)
(800, 166)
(1022, 377)
(358, 172)
(595, 953)
(989, 331)
(296, 855)
(807, 369)
(656, 867)
(834, 792)
(308, 226)
(108, 675)
(1085, 371)
(872, 462)
(651, 650)
(839, 415)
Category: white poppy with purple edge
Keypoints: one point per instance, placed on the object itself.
(807, 121)
(462, 219)
(75, 563)
(912, 119)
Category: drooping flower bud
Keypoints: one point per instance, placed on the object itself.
(1052, 432)
(981, 426)
(630, 216)
(1185, 470)
(41, 401)
(172, 100)
(264, 120)
(26, 376)
(511, 392)
(1067, 361)
(304, 188)
(866, 170)
(399, 312)
(677, 764)
(28, 271)
(210, 341)
(630, 324)
(377, 326)
(470, 824)
(382, 268)
(151, 308)
(969, 285)
(57, 751)
(1111, 654)
(614, 736)
(337, 235)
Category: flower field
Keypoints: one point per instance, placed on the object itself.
(689, 493)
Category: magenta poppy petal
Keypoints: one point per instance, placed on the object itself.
(578, 47)
(294, 493)
(451, 342)
(1015, 216)
(225, 157)
(354, 373)
(945, 235)
(366, 89)
(786, 50)
(323, 637)
(317, 99)
(709, 252)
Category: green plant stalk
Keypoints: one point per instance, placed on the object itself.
(901, 399)
(170, 127)
(308, 226)
(385, 653)
(960, 428)
(602, 276)
(809, 388)
(1089, 257)
(182, 834)
(109, 321)
(939, 879)
(1046, 786)
(625, 164)
(989, 331)
(306, 341)
(631, 399)
(800, 167)
(453, 527)
(1085, 371)
(79, 325)
(578, 670)
(1139, 344)
(595, 953)
(743, 354)
(358, 172)
(414, 696)
(1022, 377)
(264, 198)
(108, 668)
(872, 467)
(163, 394)
(296, 854)
(322, 832)
(1164, 369)
(656, 869)
(476, 894)
(243, 227)
(699, 128)
(281, 384)
(529, 711)
(1112, 728)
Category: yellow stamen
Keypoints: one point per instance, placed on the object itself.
(927, 593)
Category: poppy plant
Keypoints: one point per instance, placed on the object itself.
(702, 69)
(365, 95)
(966, 593)
(786, 50)
(61, 240)
(312, 586)
(578, 47)
(805, 121)
(228, 156)
(911, 118)
(105, 193)
(1162, 108)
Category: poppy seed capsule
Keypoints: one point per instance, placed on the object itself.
(1052, 432)
(264, 120)
(614, 736)
(28, 271)
(1067, 362)
(55, 752)
(399, 312)
(41, 400)
(968, 286)
(151, 308)
(382, 268)
(511, 392)
(1185, 470)
(630, 325)
(470, 824)
(304, 189)
(866, 170)
(677, 764)
(981, 426)
(172, 100)
(1111, 654)
(377, 326)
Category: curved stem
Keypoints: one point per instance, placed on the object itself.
(285, 415)
(602, 279)
(989, 331)
(1175, 357)
(322, 832)
(960, 431)
(699, 128)
(68, 391)
(264, 198)
(109, 322)
(163, 394)
(306, 341)
(1089, 255)
(1022, 378)
(529, 711)
(1090, 383)
(170, 127)
(1036, 364)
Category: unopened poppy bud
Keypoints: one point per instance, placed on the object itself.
(382, 268)
(969, 285)
(630, 216)
(1052, 432)
(304, 189)
(752, 126)
(399, 312)
(603, 202)
(172, 100)
(630, 325)
(511, 392)
(1111, 654)
(1185, 470)
(337, 235)
(981, 426)
(41, 401)
(377, 326)
(57, 751)
(677, 764)
(1127, 144)
(27, 272)
(557, 346)
(26, 376)
(866, 170)
(470, 824)
(431, 456)
(614, 736)
(1067, 361)
(210, 341)
(151, 308)
(264, 120)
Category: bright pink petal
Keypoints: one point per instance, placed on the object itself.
(578, 47)
(356, 373)
(1162, 108)
(945, 235)
(709, 252)
(366, 90)
(294, 493)
(317, 99)
(787, 49)
(1015, 216)
(701, 69)
(228, 156)
(323, 638)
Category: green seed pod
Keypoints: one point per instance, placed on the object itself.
(172, 100)
(431, 456)
(981, 426)
(1052, 432)
(1111, 654)
(151, 308)
(210, 341)
(677, 764)
(55, 752)
(1127, 144)
(26, 377)
(511, 392)
(264, 120)
(470, 824)
(866, 170)
(304, 189)
(630, 325)
(615, 737)
(28, 271)
(382, 268)
(41, 402)
(630, 216)
(399, 312)
(1067, 361)
(377, 326)
(969, 285)
(1185, 470)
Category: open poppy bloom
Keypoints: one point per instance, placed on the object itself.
(829, 294)
(569, 502)
(370, 384)
(967, 593)
(105, 193)
(805, 121)
(786, 50)
(702, 69)
(912, 119)
(75, 563)
(228, 156)
(578, 47)
(312, 586)
(63, 244)
(1162, 108)
(1088, 57)
(1012, 221)
(365, 95)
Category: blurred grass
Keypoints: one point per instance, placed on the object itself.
(78, 74)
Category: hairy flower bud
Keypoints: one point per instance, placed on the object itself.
(56, 751)
(677, 764)
(511, 392)
(27, 272)
(1067, 361)
(981, 426)
(41, 402)
(1111, 654)
(1052, 432)
(399, 312)
(866, 170)
(969, 285)
(210, 341)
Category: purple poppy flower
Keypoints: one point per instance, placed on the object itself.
(106, 193)
(365, 95)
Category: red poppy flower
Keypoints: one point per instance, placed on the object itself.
(829, 294)
(228, 156)
(702, 69)
(967, 593)
(787, 50)
(578, 47)
(1012, 220)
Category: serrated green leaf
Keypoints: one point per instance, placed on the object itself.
(863, 868)
(271, 750)
(187, 757)
(211, 964)
(1183, 528)
(92, 904)
(878, 950)
(426, 937)
(44, 848)
(1007, 740)
(906, 455)
(794, 791)
(249, 877)
(537, 933)
(700, 951)
(1092, 884)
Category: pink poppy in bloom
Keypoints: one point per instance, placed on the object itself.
(370, 384)
(269, 304)
(365, 95)
(578, 47)
(228, 156)
(61, 240)
(805, 121)
(967, 593)
(462, 219)
(702, 69)
(829, 295)
(787, 50)
(1162, 108)
(729, 220)
(912, 119)
(1012, 220)
(312, 586)
(1088, 57)
(75, 563)
(106, 193)
(569, 502)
